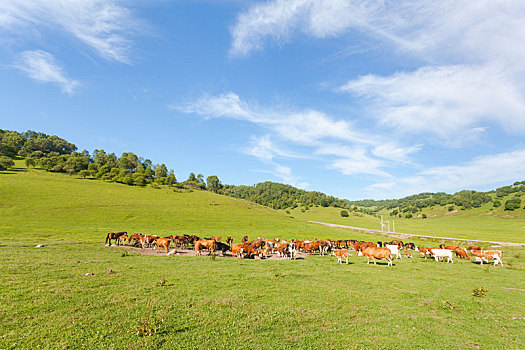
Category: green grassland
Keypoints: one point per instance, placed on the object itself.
(469, 224)
(203, 302)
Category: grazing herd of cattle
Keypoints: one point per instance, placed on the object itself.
(263, 248)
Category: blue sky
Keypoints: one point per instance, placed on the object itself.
(358, 99)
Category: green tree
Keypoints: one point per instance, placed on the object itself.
(513, 204)
(6, 163)
(200, 179)
(214, 184)
(344, 213)
(171, 179)
(497, 203)
(192, 178)
(30, 162)
(161, 172)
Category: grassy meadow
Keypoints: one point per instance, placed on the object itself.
(468, 224)
(210, 303)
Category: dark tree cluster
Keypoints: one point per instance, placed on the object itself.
(281, 196)
(416, 203)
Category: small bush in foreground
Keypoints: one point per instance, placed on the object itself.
(150, 324)
(479, 292)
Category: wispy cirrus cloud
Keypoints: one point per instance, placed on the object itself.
(264, 149)
(337, 143)
(471, 54)
(306, 127)
(105, 26)
(42, 67)
(481, 171)
(445, 101)
(484, 29)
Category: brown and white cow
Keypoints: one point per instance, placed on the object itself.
(205, 244)
(340, 254)
(377, 253)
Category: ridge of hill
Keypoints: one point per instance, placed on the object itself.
(37, 205)
(57, 155)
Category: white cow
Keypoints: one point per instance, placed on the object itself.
(442, 253)
(395, 250)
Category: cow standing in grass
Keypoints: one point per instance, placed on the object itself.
(377, 253)
(115, 236)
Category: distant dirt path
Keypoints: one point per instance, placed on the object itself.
(407, 235)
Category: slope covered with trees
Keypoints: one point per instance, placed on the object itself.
(55, 154)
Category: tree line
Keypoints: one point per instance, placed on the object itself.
(281, 196)
(462, 200)
(55, 154)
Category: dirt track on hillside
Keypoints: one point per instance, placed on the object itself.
(400, 235)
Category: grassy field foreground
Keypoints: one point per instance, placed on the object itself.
(224, 303)
(48, 301)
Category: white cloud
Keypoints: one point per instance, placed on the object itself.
(481, 171)
(446, 101)
(280, 19)
(305, 127)
(473, 50)
(103, 25)
(265, 149)
(338, 143)
(353, 161)
(483, 29)
(42, 67)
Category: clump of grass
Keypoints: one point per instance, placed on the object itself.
(446, 305)
(212, 256)
(150, 324)
(124, 254)
(479, 292)
(161, 283)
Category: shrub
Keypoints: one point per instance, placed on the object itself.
(513, 204)
(497, 203)
(344, 213)
(424, 216)
(6, 162)
(408, 216)
(450, 208)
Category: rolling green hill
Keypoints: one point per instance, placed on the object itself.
(36, 205)
(63, 296)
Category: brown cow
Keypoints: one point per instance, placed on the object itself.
(486, 256)
(474, 247)
(205, 244)
(449, 247)
(135, 237)
(237, 250)
(462, 253)
(377, 253)
(115, 236)
(340, 254)
(249, 250)
(426, 250)
(163, 242)
(311, 246)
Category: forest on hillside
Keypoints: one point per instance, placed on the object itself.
(55, 154)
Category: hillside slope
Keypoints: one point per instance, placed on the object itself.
(36, 205)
